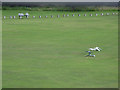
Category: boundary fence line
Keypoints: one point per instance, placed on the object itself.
(59, 16)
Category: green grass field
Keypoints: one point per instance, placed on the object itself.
(50, 52)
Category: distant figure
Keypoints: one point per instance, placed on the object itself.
(96, 14)
(84, 14)
(107, 14)
(51, 16)
(101, 14)
(33, 16)
(113, 13)
(20, 15)
(73, 15)
(58, 16)
(63, 15)
(45, 16)
(14, 17)
(90, 14)
(27, 15)
(10, 17)
(39, 16)
(67, 15)
(4, 17)
(78, 14)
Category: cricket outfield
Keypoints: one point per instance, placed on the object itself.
(50, 52)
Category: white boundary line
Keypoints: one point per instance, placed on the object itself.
(0, 45)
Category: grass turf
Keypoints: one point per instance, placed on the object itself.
(50, 52)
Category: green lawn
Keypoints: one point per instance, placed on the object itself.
(50, 52)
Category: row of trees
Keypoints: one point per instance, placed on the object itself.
(60, 6)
